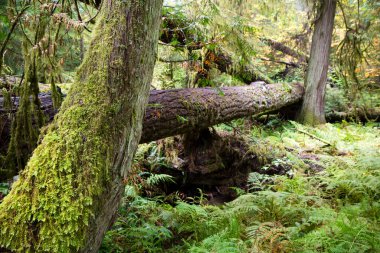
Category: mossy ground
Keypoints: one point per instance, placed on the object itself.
(328, 202)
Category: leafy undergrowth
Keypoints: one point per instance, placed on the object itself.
(328, 202)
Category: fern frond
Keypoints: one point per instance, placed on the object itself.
(156, 179)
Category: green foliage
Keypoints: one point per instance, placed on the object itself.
(232, 33)
(349, 230)
(4, 188)
(334, 209)
(336, 100)
(42, 36)
(327, 202)
(156, 179)
(4, 21)
(140, 226)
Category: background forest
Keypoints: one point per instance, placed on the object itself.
(262, 183)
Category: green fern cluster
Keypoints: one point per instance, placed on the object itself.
(333, 209)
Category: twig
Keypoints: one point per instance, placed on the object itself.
(174, 61)
(313, 136)
(281, 62)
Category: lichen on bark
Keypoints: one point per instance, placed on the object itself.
(69, 191)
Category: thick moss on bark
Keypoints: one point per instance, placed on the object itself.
(68, 194)
(23, 135)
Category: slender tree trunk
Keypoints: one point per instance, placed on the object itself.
(81, 48)
(69, 192)
(313, 107)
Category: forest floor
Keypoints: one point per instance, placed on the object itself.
(324, 198)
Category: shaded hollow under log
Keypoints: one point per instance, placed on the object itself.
(215, 162)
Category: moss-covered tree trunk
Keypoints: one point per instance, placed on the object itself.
(313, 107)
(70, 190)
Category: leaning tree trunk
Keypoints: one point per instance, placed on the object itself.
(313, 107)
(69, 192)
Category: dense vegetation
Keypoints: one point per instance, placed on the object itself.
(264, 183)
(327, 201)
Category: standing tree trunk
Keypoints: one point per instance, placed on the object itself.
(69, 192)
(313, 107)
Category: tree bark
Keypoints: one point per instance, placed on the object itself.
(285, 49)
(172, 112)
(68, 194)
(313, 107)
(358, 114)
(179, 111)
(7, 114)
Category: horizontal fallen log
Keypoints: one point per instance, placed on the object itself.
(179, 111)
(285, 49)
(359, 114)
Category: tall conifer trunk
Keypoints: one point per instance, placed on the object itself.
(313, 107)
(70, 190)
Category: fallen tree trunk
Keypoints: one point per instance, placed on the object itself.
(179, 111)
(6, 116)
(285, 49)
(359, 114)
